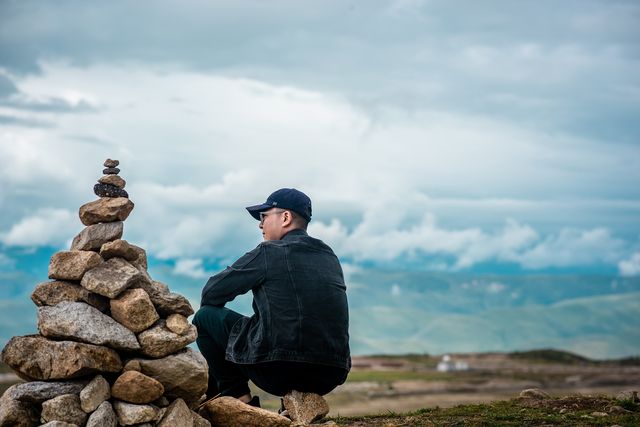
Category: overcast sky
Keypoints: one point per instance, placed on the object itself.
(442, 135)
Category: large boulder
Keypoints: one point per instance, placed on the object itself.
(106, 209)
(183, 375)
(111, 277)
(94, 236)
(38, 358)
(63, 408)
(72, 265)
(39, 391)
(160, 341)
(51, 293)
(230, 412)
(133, 308)
(81, 322)
(136, 387)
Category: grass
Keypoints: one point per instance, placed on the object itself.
(567, 411)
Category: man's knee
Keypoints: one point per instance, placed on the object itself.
(214, 321)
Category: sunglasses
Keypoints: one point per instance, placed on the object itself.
(263, 215)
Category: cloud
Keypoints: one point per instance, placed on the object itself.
(631, 266)
(46, 227)
(190, 267)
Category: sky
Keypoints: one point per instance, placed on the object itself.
(447, 136)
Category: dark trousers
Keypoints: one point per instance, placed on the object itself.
(278, 378)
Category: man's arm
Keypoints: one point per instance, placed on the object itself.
(246, 273)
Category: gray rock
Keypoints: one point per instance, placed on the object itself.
(54, 292)
(178, 415)
(72, 265)
(305, 408)
(105, 209)
(37, 358)
(159, 341)
(130, 414)
(136, 387)
(96, 392)
(183, 375)
(110, 163)
(111, 171)
(94, 236)
(104, 416)
(39, 391)
(59, 424)
(107, 190)
(14, 413)
(119, 249)
(534, 393)
(113, 180)
(111, 277)
(134, 309)
(166, 303)
(82, 322)
(141, 261)
(63, 408)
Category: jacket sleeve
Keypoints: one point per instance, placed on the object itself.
(245, 274)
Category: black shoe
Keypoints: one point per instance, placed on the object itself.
(255, 402)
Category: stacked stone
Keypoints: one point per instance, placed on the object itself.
(111, 348)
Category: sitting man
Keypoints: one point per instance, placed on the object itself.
(297, 337)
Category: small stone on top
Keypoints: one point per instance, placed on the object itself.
(111, 163)
(111, 171)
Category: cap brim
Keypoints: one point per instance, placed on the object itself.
(255, 210)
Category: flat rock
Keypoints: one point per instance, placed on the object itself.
(111, 170)
(178, 414)
(159, 341)
(81, 322)
(305, 408)
(96, 392)
(130, 414)
(39, 391)
(119, 249)
(230, 412)
(178, 324)
(59, 424)
(136, 387)
(54, 292)
(111, 277)
(184, 375)
(110, 163)
(38, 358)
(166, 303)
(14, 413)
(94, 236)
(113, 180)
(63, 408)
(106, 209)
(108, 190)
(103, 416)
(72, 265)
(133, 308)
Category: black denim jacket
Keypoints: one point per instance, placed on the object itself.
(299, 303)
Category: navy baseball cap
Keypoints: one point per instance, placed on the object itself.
(284, 198)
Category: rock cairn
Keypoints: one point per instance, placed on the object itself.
(111, 344)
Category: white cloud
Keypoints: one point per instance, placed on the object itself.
(495, 287)
(396, 290)
(46, 227)
(191, 267)
(631, 266)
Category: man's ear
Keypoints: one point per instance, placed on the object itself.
(287, 218)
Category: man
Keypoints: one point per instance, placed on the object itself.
(297, 337)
